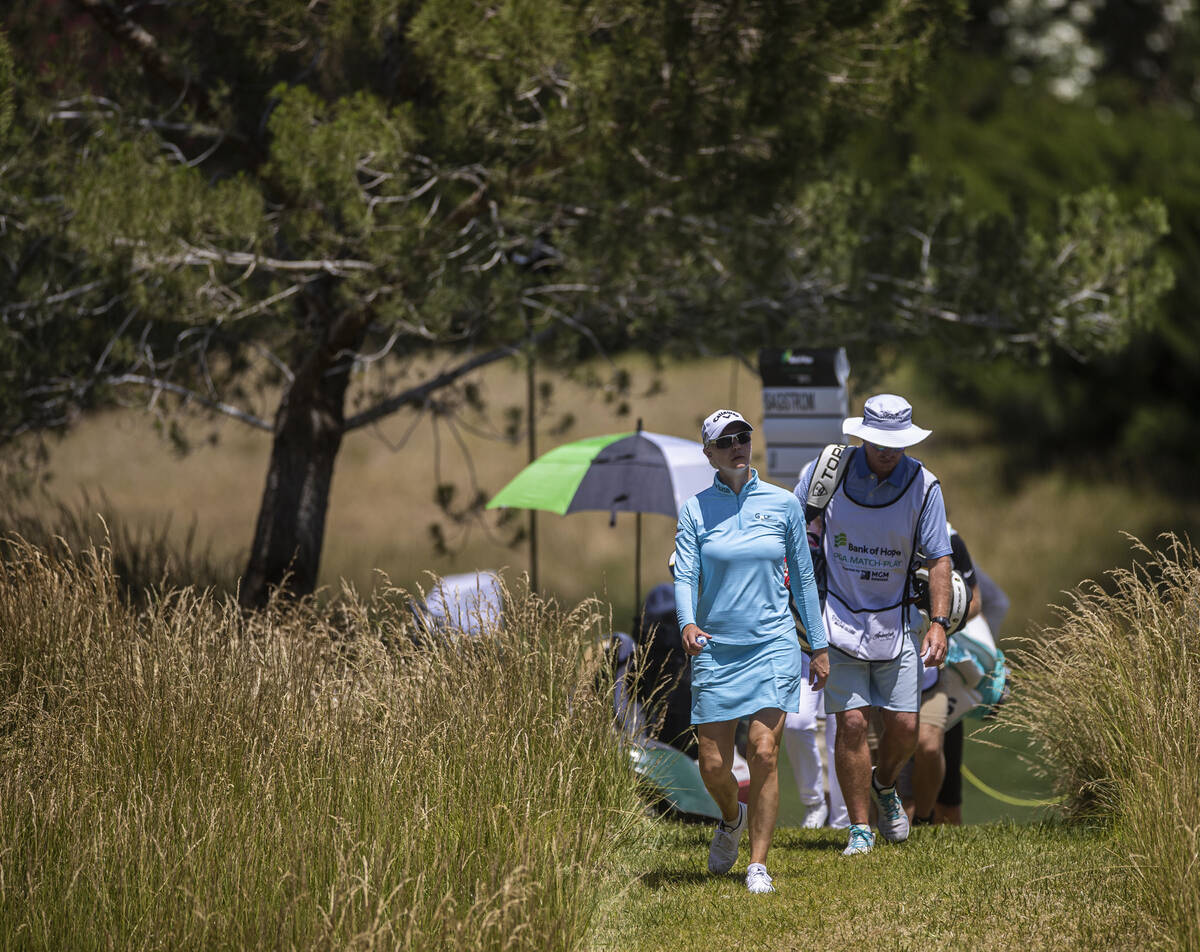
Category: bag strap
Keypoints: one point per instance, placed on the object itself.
(827, 476)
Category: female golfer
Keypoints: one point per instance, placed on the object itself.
(732, 545)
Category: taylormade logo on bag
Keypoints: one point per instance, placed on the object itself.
(834, 461)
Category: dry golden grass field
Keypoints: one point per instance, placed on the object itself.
(1037, 538)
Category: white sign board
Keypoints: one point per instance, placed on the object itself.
(805, 401)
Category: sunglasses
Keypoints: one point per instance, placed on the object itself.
(724, 442)
(884, 449)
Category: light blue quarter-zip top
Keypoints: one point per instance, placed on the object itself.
(731, 550)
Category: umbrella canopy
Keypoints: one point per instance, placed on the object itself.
(619, 472)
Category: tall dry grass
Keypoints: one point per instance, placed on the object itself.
(178, 775)
(144, 554)
(1112, 700)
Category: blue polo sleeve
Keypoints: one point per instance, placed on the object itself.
(687, 566)
(805, 481)
(934, 538)
(801, 578)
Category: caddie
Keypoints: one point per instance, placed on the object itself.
(870, 510)
(946, 697)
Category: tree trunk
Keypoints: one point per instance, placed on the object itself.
(309, 426)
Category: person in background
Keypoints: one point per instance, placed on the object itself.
(733, 543)
(945, 699)
(802, 736)
(804, 753)
(886, 507)
(664, 684)
(948, 808)
(800, 739)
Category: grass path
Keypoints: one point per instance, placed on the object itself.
(995, 886)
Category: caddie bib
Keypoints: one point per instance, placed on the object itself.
(868, 551)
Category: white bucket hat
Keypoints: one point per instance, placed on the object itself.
(886, 421)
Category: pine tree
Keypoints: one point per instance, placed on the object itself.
(238, 207)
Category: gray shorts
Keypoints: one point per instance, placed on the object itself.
(894, 685)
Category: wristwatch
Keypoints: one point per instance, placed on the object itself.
(940, 620)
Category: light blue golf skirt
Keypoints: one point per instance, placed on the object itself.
(732, 681)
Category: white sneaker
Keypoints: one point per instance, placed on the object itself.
(862, 840)
(893, 821)
(722, 852)
(815, 816)
(758, 880)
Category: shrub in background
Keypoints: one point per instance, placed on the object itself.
(1112, 700)
(181, 775)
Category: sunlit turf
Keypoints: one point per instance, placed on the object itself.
(996, 753)
(989, 886)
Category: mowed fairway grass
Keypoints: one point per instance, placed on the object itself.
(994, 886)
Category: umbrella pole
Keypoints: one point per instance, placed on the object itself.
(533, 579)
(637, 570)
(637, 582)
(530, 367)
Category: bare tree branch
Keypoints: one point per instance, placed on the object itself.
(420, 393)
(242, 259)
(158, 386)
(51, 299)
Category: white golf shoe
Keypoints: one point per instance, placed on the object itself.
(815, 816)
(893, 821)
(758, 880)
(723, 851)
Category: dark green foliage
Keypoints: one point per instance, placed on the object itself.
(217, 200)
(7, 83)
(225, 176)
(1016, 149)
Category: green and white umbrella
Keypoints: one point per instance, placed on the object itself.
(619, 472)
